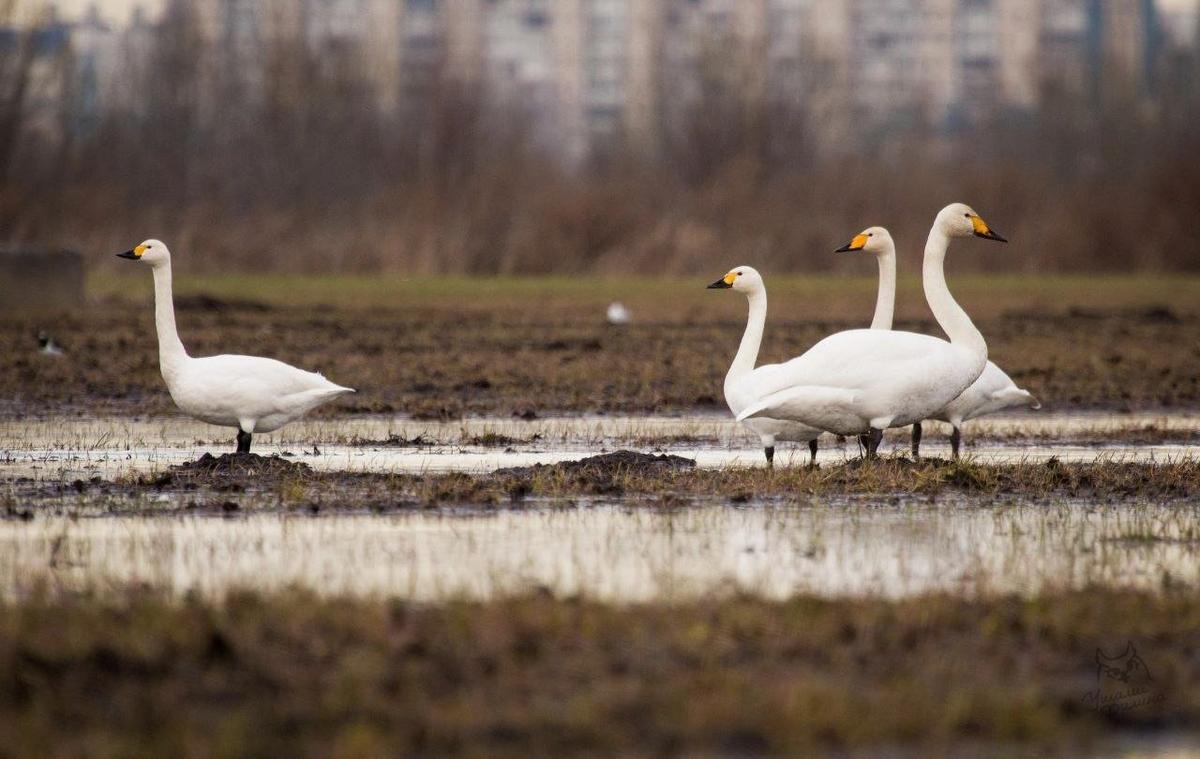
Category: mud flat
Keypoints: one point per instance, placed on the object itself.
(71, 448)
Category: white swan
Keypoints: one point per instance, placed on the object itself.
(992, 392)
(744, 384)
(866, 380)
(247, 392)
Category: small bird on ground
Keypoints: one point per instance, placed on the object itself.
(47, 346)
(617, 314)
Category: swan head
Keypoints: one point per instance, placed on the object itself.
(741, 278)
(876, 240)
(153, 252)
(960, 220)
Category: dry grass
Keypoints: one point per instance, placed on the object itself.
(295, 674)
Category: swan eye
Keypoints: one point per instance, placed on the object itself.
(966, 215)
(739, 274)
(870, 234)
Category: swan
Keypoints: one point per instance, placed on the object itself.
(992, 392)
(866, 380)
(250, 393)
(744, 383)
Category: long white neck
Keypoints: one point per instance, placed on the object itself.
(747, 355)
(953, 320)
(171, 354)
(885, 301)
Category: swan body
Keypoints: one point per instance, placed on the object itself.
(745, 383)
(250, 393)
(855, 381)
(864, 381)
(991, 392)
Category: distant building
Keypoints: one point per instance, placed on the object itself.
(586, 73)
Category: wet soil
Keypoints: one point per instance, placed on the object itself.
(274, 483)
(450, 360)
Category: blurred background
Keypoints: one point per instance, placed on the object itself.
(600, 136)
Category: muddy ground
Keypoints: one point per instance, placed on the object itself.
(449, 360)
(233, 483)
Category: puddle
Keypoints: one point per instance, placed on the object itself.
(111, 447)
(854, 548)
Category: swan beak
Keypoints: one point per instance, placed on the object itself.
(983, 230)
(724, 283)
(134, 254)
(858, 243)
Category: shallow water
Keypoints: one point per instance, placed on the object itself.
(844, 548)
(112, 447)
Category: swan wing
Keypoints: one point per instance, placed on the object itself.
(868, 358)
(228, 388)
(264, 375)
(797, 400)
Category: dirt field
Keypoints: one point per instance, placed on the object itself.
(541, 347)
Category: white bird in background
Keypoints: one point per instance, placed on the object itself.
(867, 380)
(247, 392)
(992, 392)
(745, 384)
(617, 314)
(47, 346)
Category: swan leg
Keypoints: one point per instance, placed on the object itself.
(864, 443)
(769, 451)
(916, 441)
(812, 449)
(243, 441)
(955, 439)
(874, 438)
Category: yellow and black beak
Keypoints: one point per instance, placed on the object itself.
(134, 254)
(724, 283)
(983, 230)
(858, 243)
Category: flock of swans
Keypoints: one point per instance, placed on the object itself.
(857, 382)
(863, 381)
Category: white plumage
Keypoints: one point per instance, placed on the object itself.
(991, 392)
(617, 314)
(745, 384)
(249, 393)
(864, 381)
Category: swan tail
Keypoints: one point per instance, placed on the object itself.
(787, 404)
(319, 395)
(1015, 396)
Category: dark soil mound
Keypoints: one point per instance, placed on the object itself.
(618, 462)
(241, 464)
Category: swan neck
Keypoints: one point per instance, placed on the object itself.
(747, 355)
(950, 316)
(885, 301)
(171, 352)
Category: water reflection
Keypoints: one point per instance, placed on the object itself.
(618, 553)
